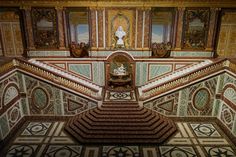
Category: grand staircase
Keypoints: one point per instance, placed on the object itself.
(119, 123)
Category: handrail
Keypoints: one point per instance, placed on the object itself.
(182, 80)
(65, 74)
(176, 73)
(21, 64)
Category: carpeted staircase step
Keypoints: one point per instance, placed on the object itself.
(120, 112)
(118, 126)
(144, 123)
(124, 115)
(124, 139)
(120, 123)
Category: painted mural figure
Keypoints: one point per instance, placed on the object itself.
(120, 34)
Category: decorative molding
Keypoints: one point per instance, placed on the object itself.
(39, 53)
(208, 54)
(115, 3)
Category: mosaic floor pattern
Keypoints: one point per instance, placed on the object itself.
(120, 96)
(36, 139)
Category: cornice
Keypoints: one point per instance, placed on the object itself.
(123, 3)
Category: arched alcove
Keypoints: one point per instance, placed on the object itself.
(120, 71)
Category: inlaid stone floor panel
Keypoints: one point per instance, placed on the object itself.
(120, 96)
(36, 139)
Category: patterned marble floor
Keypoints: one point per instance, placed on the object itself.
(48, 139)
(119, 96)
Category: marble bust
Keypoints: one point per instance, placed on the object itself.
(121, 70)
(120, 34)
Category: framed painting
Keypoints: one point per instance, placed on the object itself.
(196, 25)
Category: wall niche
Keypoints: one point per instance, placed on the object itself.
(196, 25)
(45, 32)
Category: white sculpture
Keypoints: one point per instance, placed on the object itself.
(120, 70)
(120, 34)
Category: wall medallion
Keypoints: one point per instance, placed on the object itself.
(201, 99)
(14, 114)
(40, 98)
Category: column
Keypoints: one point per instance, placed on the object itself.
(100, 28)
(147, 29)
(60, 24)
(179, 28)
(93, 28)
(28, 26)
(214, 12)
(139, 32)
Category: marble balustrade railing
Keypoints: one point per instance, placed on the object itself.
(24, 66)
(146, 94)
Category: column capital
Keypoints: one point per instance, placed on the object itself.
(59, 8)
(24, 7)
(181, 9)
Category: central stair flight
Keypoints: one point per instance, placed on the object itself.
(120, 123)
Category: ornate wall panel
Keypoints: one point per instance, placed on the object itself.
(227, 79)
(9, 92)
(4, 126)
(10, 34)
(201, 98)
(230, 93)
(14, 115)
(124, 18)
(227, 116)
(196, 25)
(227, 36)
(45, 99)
(40, 96)
(166, 105)
(44, 21)
(196, 100)
(84, 70)
(10, 106)
(156, 70)
(74, 104)
(150, 71)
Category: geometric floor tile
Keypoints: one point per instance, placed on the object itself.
(91, 151)
(120, 96)
(174, 151)
(149, 152)
(123, 151)
(40, 139)
(64, 151)
(21, 151)
(220, 151)
(36, 128)
(205, 130)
